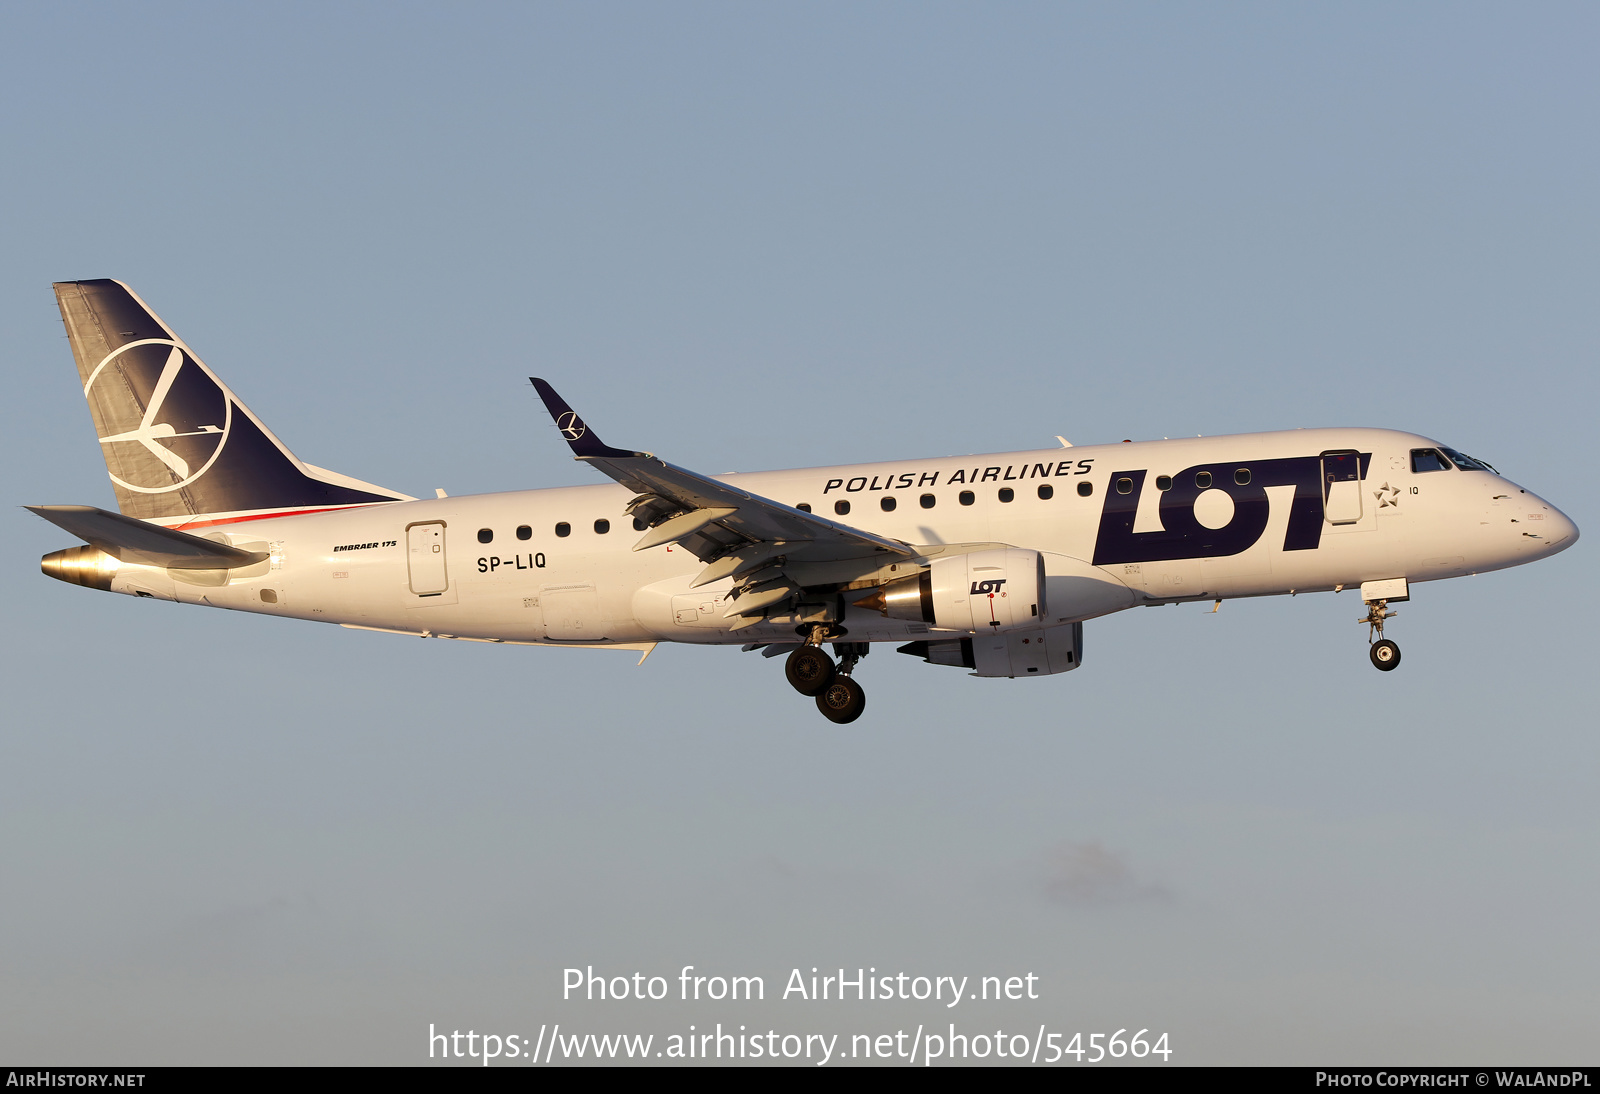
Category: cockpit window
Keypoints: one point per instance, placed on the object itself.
(1428, 459)
(1465, 462)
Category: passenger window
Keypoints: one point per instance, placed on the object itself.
(1006, 493)
(639, 525)
(524, 532)
(1202, 479)
(887, 504)
(1242, 476)
(1163, 482)
(1085, 489)
(601, 527)
(841, 507)
(485, 535)
(563, 530)
(1124, 486)
(1046, 492)
(966, 497)
(929, 501)
(804, 507)
(1428, 459)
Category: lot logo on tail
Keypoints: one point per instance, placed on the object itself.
(186, 417)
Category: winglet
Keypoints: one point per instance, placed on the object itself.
(585, 445)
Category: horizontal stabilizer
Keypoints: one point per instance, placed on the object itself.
(148, 544)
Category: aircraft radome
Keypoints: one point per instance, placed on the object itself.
(989, 563)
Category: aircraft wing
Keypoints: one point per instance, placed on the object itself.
(138, 541)
(739, 534)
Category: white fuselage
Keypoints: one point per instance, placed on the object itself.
(1244, 535)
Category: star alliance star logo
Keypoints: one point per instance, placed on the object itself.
(1387, 496)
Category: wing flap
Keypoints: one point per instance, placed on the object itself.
(681, 527)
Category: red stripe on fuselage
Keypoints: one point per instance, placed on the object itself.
(265, 516)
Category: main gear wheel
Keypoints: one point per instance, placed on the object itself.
(809, 670)
(842, 701)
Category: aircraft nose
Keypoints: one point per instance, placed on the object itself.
(1556, 531)
(1563, 531)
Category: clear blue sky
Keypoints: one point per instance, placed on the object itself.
(752, 236)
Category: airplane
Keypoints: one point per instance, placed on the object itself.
(990, 563)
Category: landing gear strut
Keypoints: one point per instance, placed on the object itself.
(1385, 654)
(843, 699)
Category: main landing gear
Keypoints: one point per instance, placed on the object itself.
(1385, 654)
(812, 672)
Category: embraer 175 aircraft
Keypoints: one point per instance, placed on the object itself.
(991, 563)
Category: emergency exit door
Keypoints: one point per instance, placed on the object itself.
(425, 557)
(1341, 487)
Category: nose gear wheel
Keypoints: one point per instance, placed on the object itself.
(1385, 655)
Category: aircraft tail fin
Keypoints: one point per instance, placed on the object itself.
(177, 442)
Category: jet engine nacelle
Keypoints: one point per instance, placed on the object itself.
(987, 592)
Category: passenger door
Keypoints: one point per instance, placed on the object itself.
(1341, 487)
(425, 558)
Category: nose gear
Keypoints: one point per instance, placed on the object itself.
(1385, 654)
